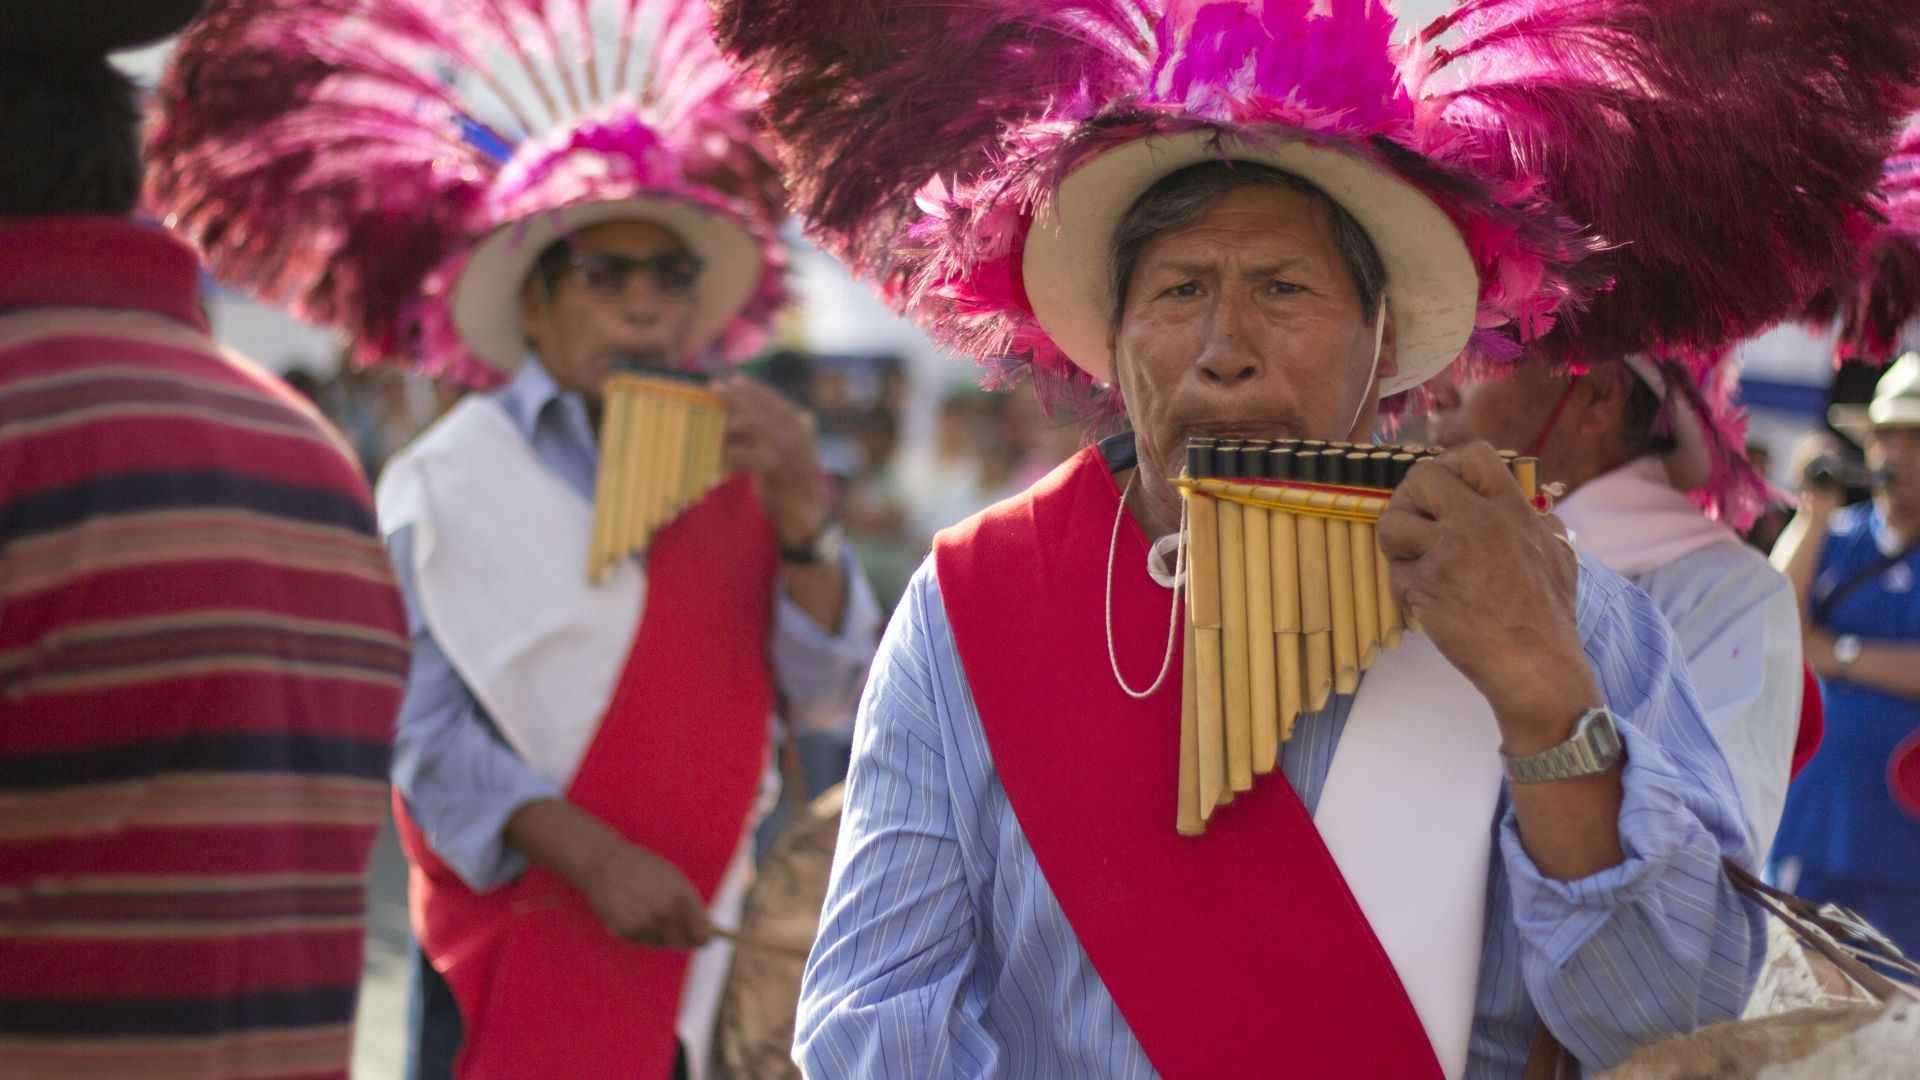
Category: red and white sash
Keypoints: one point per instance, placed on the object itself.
(647, 700)
(1343, 945)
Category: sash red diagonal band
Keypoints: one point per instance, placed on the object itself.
(543, 988)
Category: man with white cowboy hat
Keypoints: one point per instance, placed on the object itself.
(1238, 217)
(579, 766)
(1851, 832)
(202, 648)
(1637, 457)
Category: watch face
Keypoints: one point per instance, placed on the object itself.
(1846, 648)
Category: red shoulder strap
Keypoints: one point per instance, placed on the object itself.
(675, 767)
(1238, 953)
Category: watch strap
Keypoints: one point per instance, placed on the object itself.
(1593, 748)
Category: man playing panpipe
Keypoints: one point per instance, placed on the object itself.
(579, 766)
(1228, 213)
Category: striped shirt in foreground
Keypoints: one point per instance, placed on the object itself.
(942, 953)
(201, 656)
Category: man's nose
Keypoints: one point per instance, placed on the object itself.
(1227, 357)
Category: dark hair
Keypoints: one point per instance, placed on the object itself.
(1181, 198)
(1640, 414)
(69, 136)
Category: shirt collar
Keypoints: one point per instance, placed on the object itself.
(99, 262)
(532, 398)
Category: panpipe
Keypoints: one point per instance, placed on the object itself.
(662, 434)
(1287, 596)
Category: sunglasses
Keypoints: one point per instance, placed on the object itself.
(611, 274)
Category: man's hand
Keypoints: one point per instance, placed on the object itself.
(771, 439)
(646, 900)
(637, 894)
(1494, 584)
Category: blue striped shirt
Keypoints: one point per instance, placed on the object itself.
(943, 953)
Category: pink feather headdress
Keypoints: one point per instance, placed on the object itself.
(343, 157)
(1728, 151)
(922, 138)
(1877, 299)
(1609, 163)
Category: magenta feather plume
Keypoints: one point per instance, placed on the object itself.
(1877, 299)
(922, 136)
(341, 156)
(1726, 150)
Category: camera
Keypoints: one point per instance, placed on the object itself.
(1835, 471)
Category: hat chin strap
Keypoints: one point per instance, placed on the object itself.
(1379, 338)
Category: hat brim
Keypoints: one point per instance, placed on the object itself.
(1858, 420)
(1690, 462)
(92, 26)
(486, 298)
(1432, 290)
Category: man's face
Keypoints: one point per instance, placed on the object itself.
(1896, 450)
(600, 309)
(1507, 412)
(1245, 323)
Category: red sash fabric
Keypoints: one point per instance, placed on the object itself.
(1237, 954)
(676, 765)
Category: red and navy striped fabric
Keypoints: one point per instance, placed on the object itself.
(201, 656)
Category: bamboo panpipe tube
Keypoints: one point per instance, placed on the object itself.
(1284, 545)
(671, 447)
(1203, 598)
(1242, 463)
(1191, 821)
(629, 486)
(1238, 686)
(1316, 598)
(660, 450)
(1260, 639)
(1310, 509)
(1366, 606)
(1526, 472)
(638, 452)
(600, 549)
(1342, 577)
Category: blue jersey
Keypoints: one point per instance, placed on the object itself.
(1841, 819)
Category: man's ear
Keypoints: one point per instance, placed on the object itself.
(1604, 390)
(1389, 365)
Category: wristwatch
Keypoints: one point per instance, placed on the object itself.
(823, 548)
(1846, 649)
(1592, 748)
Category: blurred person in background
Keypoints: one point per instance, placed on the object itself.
(584, 750)
(202, 651)
(1851, 833)
(1632, 449)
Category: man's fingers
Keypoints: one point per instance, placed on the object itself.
(1406, 534)
(1481, 468)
